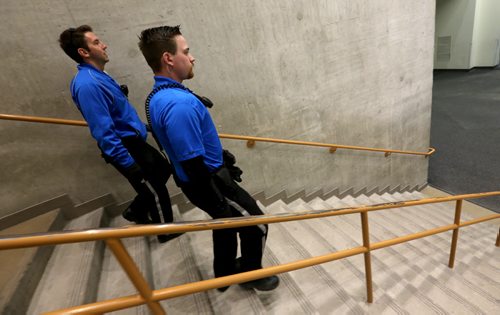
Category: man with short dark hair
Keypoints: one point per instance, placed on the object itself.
(185, 129)
(118, 130)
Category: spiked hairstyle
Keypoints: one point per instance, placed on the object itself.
(154, 41)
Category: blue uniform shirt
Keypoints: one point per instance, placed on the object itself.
(184, 128)
(107, 111)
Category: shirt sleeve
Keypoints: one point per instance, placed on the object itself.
(184, 130)
(94, 105)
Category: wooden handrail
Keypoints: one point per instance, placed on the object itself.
(250, 140)
(45, 120)
(333, 147)
(151, 297)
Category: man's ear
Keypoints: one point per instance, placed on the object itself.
(167, 58)
(83, 52)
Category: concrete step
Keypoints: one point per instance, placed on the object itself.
(353, 228)
(477, 259)
(72, 274)
(174, 264)
(444, 213)
(410, 220)
(23, 268)
(341, 228)
(475, 241)
(235, 299)
(427, 216)
(408, 278)
(113, 281)
(419, 218)
(469, 211)
(292, 241)
(456, 290)
(287, 299)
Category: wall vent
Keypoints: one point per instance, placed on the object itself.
(444, 48)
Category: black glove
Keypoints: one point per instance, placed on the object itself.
(134, 174)
(228, 157)
(229, 163)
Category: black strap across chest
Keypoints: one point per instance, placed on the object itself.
(205, 100)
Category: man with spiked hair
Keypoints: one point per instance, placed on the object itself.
(115, 125)
(185, 129)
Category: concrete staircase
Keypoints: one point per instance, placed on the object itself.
(410, 278)
(71, 264)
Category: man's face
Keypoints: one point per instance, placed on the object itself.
(183, 61)
(96, 52)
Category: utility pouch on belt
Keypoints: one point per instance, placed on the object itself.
(229, 163)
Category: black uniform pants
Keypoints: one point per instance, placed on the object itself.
(156, 169)
(224, 198)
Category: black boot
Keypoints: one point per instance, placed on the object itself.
(135, 212)
(264, 284)
(163, 238)
(237, 269)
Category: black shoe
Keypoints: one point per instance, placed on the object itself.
(264, 284)
(129, 215)
(237, 269)
(167, 237)
(222, 289)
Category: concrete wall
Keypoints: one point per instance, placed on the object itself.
(454, 20)
(486, 38)
(355, 72)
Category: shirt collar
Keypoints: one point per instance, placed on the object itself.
(159, 80)
(84, 65)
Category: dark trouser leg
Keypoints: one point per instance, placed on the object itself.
(152, 204)
(164, 201)
(144, 202)
(225, 250)
(224, 241)
(156, 170)
(252, 238)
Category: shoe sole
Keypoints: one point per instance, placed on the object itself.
(168, 237)
(250, 286)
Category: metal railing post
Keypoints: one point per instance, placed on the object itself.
(368, 261)
(454, 238)
(134, 274)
